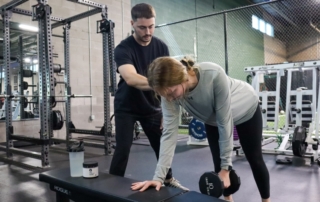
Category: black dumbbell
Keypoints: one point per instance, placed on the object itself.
(211, 184)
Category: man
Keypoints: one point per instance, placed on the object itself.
(134, 99)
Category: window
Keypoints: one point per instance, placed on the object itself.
(269, 30)
(262, 26)
(255, 22)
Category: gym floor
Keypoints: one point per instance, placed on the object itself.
(298, 182)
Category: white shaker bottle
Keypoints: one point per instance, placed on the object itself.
(76, 158)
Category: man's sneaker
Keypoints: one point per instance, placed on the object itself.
(175, 183)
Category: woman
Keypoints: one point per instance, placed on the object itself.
(209, 95)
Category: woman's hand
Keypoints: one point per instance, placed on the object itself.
(224, 175)
(145, 185)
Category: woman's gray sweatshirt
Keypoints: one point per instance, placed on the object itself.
(217, 100)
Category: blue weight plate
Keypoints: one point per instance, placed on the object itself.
(197, 129)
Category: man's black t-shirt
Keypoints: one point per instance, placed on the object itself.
(128, 99)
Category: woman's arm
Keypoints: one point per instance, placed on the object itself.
(169, 136)
(222, 107)
(168, 143)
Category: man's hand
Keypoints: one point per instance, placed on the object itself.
(141, 186)
(224, 175)
(132, 78)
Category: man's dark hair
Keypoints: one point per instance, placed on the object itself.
(142, 10)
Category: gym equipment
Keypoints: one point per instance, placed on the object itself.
(57, 68)
(211, 184)
(26, 85)
(115, 188)
(300, 108)
(299, 145)
(16, 113)
(197, 133)
(25, 102)
(197, 129)
(28, 115)
(27, 73)
(57, 120)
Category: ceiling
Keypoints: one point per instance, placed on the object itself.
(292, 12)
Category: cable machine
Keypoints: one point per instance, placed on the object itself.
(300, 112)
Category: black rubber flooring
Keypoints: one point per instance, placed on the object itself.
(298, 182)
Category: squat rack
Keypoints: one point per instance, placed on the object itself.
(105, 27)
(42, 13)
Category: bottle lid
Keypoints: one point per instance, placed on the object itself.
(90, 164)
(76, 147)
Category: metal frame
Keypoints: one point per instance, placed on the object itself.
(29, 13)
(264, 98)
(88, 3)
(299, 93)
(288, 130)
(106, 28)
(22, 101)
(76, 17)
(108, 42)
(45, 80)
(6, 16)
(67, 81)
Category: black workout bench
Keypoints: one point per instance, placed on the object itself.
(110, 188)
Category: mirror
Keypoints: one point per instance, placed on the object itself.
(24, 77)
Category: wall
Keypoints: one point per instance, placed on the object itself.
(304, 48)
(80, 62)
(207, 34)
(274, 50)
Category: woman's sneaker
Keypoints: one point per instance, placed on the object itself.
(175, 183)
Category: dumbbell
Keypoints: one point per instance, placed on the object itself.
(211, 184)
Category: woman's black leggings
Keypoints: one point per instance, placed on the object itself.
(250, 136)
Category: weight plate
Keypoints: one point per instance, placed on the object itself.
(57, 120)
(25, 103)
(197, 129)
(299, 148)
(25, 85)
(299, 145)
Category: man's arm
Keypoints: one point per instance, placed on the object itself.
(132, 78)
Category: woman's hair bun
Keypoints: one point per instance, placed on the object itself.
(188, 62)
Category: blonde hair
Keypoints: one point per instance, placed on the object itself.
(165, 72)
